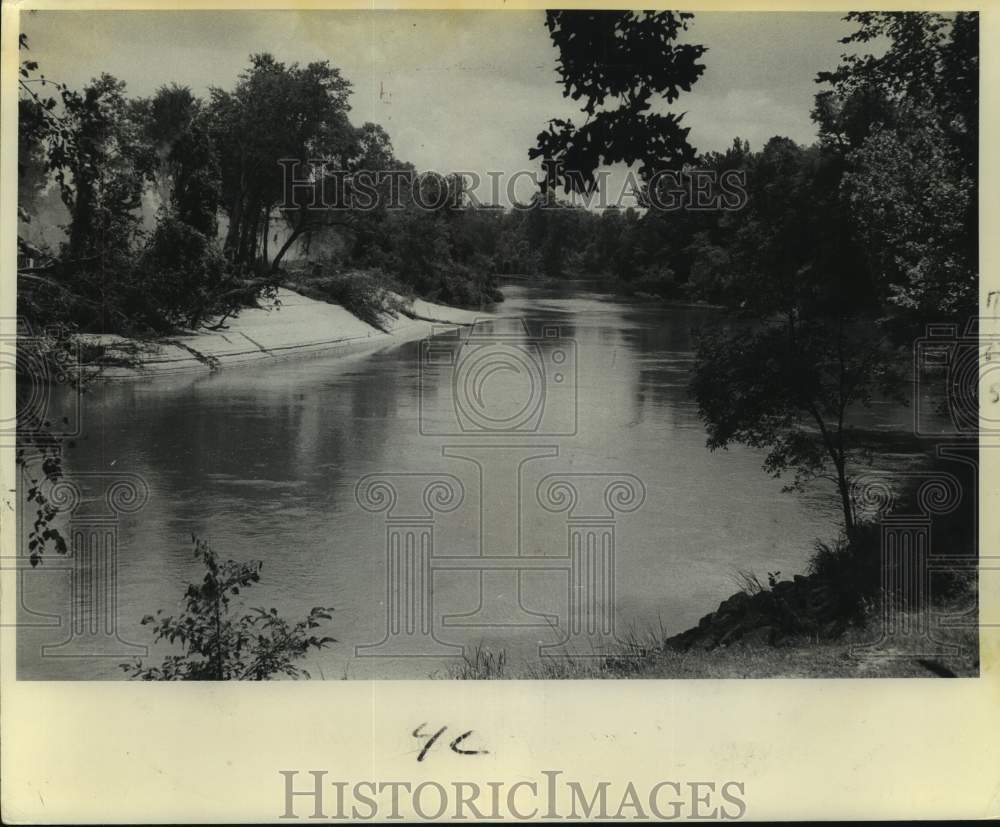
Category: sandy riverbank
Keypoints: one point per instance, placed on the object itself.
(293, 327)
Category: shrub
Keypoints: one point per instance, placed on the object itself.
(467, 286)
(183, 278)
(849, 571)
(256, 646)
(368, 294)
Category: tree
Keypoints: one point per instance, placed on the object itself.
(276, 113)
(177, 125)
(910, 199)
(101, 167)
(804, 351)
(353, 182)
(256, 646)
(183, 277)
(631, 58)
(790, 389)
(906, 122)
(40, 129)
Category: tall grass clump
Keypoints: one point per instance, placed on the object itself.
(848, 571)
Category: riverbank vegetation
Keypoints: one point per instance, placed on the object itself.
(827, 261)
(845, 617)
(650, 655)
(175, 207)
(141, 216)
(218, 646)
(828, 272)
(845, 253)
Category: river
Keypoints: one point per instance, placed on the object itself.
(264, 463)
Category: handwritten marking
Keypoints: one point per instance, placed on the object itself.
(454, 745)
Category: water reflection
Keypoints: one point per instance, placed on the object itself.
(263, 462)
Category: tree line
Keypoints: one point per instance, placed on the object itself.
(223, 227)
(837, 257)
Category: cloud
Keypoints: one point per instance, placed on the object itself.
(454, 89)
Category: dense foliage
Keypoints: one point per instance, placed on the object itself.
(630, 59)
(216, 174)
(845, 251)
(830, 260)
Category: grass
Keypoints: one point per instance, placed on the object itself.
(480, 664)
(646, 656)
(746, 581)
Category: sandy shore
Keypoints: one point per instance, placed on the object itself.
(293, 327)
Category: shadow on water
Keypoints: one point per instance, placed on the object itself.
(263, 463)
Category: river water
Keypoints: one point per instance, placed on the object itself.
(264, 463)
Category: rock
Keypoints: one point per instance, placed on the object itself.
(734, 603)
(788, 610)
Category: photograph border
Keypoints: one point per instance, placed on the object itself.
(124, 752)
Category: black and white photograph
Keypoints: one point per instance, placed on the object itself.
(497, 412)
(467, 345)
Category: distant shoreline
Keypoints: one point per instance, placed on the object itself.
(608, 287)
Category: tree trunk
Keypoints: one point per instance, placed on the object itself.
(843, 485)
(292, 238)
(250, 244)
(243, 250)
(265, 255)
(235, 221)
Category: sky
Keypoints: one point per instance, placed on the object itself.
(456, 90)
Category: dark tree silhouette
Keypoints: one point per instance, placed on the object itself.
(627, 60)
